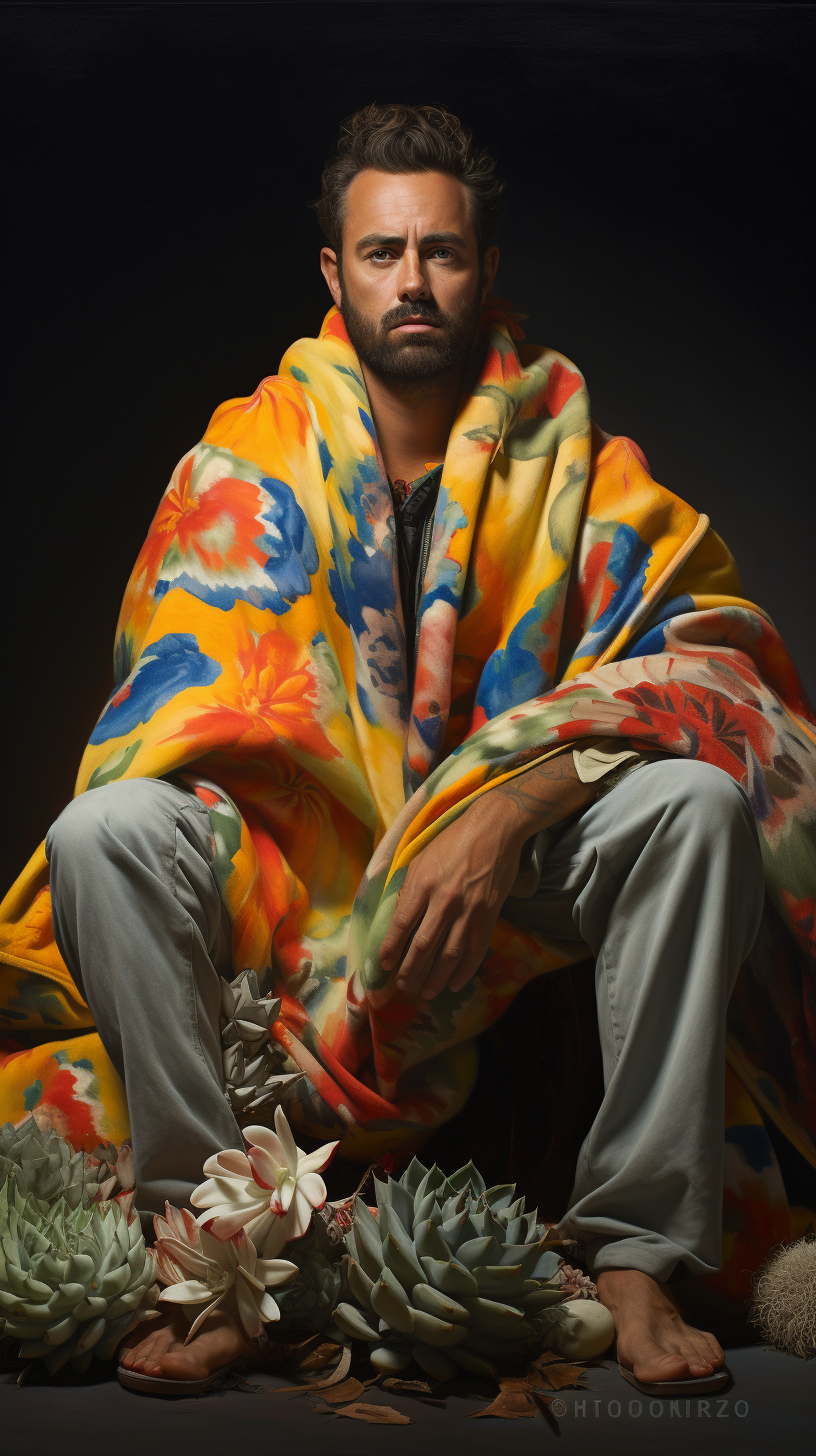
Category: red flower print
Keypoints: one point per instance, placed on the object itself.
(697, 722)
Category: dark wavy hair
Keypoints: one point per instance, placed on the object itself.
(408, 139)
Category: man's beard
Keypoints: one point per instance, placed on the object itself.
(412, 358)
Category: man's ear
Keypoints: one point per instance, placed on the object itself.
(491, 263)
(330, 269)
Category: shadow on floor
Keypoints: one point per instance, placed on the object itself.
(769, 1405)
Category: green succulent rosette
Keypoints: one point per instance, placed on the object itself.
(312, 1297)
(74, 1272)
(449, 1274)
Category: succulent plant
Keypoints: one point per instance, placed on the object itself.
(43, 1165)
(46, 1167)
(575, 1284)
(110, 1175)
(449, 1274)
(253, 1063)
(312, 1297)
(73, 1279)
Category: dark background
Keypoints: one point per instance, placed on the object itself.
(162, 257)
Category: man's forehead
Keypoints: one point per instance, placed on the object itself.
(399, 205)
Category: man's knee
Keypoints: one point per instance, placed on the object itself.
(123, 812)
(709, 805)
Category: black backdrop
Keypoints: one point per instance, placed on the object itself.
(162, 256)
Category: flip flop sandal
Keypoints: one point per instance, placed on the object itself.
(161, 1385)
(696, 1385)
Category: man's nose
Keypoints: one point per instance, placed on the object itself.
(412, 283)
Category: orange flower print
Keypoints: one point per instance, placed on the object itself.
(273, 703)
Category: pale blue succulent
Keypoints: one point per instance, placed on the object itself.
(449, 1274)
(74, 1274)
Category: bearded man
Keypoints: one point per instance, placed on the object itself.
(425, 688)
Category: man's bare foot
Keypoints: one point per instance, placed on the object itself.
(652, 1340)
(158, 1348)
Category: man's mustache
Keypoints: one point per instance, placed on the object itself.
(422, 309)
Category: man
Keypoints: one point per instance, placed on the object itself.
(409, 634)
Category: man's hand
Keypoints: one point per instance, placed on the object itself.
(455, 888)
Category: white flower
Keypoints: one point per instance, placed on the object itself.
(199, 1269)
(271, 1190)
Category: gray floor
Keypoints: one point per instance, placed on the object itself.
(770, 1406)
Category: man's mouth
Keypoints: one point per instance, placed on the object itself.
(414, 326)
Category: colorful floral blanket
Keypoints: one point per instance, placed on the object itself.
(261, 653)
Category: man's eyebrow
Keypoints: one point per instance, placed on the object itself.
(433, 239)
(383, 240)
(380, 240)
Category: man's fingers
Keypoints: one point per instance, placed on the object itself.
(445, 963)
(421, 954)
(469, 968)
(459, 961)
(409, 911)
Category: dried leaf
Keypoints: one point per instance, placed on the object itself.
(563, 1377)
(334, 1379)
(376, 1415)
(350, 1389)
(515, 1399)
(278, 1351)
(408, 1387)
(544, 1403)
(259, 1384)
(316, 1359)
(547, 1357)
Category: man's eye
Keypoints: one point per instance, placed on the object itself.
(380, 254)
(442, 253)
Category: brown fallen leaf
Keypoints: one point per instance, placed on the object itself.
(279, 1349)
(316, 1359)
(544, 1403)
(514, 1400)
(376, 1415)
(350, 1389)
(334, 1379)
(547, 1357)
(563, 1377)
(408, 1387)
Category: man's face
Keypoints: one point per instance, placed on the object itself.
(409, 284)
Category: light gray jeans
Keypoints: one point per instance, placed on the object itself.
(660, 879)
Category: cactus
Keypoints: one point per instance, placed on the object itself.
(449, 1274)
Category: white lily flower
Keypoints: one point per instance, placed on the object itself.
(270, 1191)
(199, 1269)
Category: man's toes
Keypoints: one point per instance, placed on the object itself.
(713, 1349)
(655, 1363)
(701, 1356)
(146, 1354)
(134, 1356)
(699, 1364)
(183, 1365)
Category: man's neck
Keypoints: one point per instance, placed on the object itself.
(413, 421)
